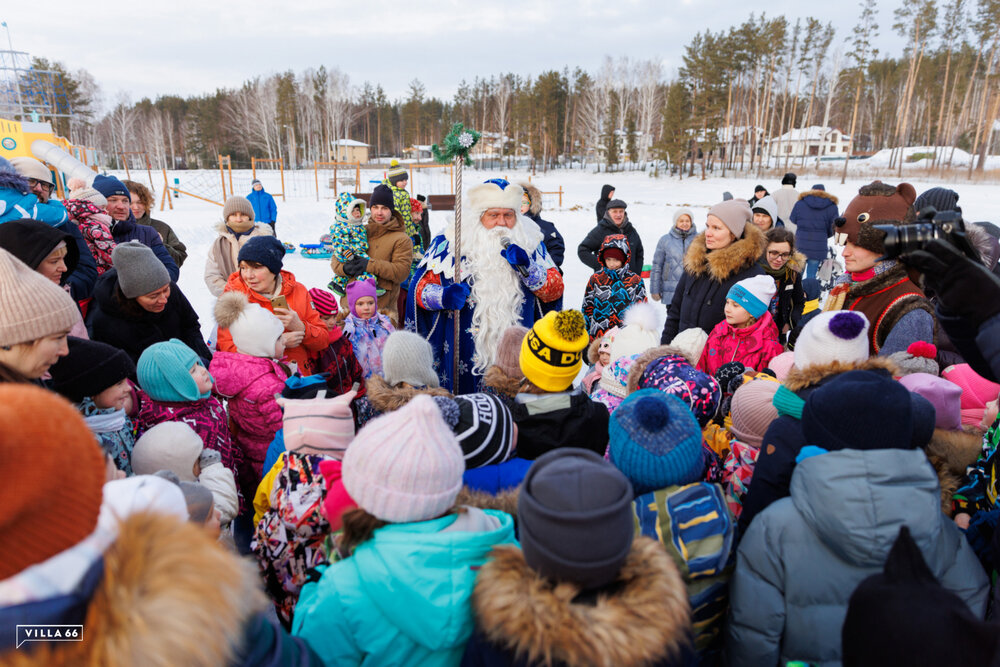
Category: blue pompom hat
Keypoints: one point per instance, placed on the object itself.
(164, 372)
(110, 186)
(656, 441)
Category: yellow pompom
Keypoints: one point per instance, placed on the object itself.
(569, 324)
(393, 163)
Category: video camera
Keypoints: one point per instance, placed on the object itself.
(930, 224)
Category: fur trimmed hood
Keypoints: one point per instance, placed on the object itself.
(638, 366)
(388, 399)
(722, 263)
(645, 621)
(797, 262)
(169, 596)
(535, 195)
(951, 452)
(505, 501)
(801, 378)
(501, 383)
(822, 194)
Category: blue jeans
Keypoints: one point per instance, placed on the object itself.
(812, 268)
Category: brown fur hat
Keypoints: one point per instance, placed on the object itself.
(876, 204)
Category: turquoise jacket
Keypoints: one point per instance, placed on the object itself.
(404, 596)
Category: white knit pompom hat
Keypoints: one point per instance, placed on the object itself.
(839, 335)
(406, 465)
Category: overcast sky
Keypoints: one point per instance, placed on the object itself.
(188, 47)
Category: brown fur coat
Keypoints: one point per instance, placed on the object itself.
(722, 263)
(501, 383)
(646, 620)
(169, 596)
(387, 399)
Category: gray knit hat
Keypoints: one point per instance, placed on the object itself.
(734, 214)
(31, 306)
(200, 502)
(139, 270)
(237, 205)
(408, 357)
(568, 497)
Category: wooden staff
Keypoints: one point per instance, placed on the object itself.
(457, 314)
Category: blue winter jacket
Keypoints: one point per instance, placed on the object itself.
(264, 208)
(130, 230)
(668, 263)
(404, 596)
(813, 215)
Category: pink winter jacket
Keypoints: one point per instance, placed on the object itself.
(754, 346)
(250, 384)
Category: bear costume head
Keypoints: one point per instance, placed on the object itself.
(876, 204)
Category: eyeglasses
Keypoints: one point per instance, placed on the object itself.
(778, 255)
(33, 182)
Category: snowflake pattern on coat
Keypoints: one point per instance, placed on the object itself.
(611, 291)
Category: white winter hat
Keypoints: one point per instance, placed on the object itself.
(690, 342)
(753, 294)
(490, 195)
(254, 329)
(172, 446)
(840, 335)
(769, 206)
(408, 357)
(406, 465)
(639, 332)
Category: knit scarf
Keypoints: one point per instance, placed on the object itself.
(102, 420)
(238, 234)
(881, 267)
(781, 274)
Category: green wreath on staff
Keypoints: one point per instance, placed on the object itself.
(456, 144)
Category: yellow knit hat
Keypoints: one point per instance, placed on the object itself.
(552, 351)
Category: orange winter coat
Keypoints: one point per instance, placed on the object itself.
(317, 336)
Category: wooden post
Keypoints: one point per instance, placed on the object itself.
(229, 165)
(335, 185)
(125, 162)
(166, 192)
(316, 176)
(560, 196)
(253, 167)
(357, 176)
(222, 177)
(281, 169)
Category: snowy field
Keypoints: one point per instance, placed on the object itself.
(651, 204)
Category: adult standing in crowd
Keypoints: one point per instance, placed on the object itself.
(880, 288)
(668, 260)
(607, 194)
(721, 256)
(812, 217)
(765, 213)
(759, 192)
(507, 274)
(125, 228)
(35, 318)
(264, 208)
(785, 198)
(260, 276)
(531, 207)
(137, 304)
(615, 221)
(26, 186)
(235, 231)
(785, 265)
(390, 252)
(142, 203)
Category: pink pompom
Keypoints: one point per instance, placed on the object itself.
(922, 349)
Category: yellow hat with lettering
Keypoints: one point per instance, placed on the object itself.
(552, 350)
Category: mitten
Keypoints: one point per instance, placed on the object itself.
(454, 296)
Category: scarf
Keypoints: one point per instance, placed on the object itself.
(881, 267)
(109, 422)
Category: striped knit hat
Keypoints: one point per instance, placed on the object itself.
(324, 302)
(31, 306)
(401, 478)
(322, 426)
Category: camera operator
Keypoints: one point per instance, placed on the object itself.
(874, 284)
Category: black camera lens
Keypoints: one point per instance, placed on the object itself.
(907, 238)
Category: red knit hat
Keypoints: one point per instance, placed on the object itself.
(54, 474)
(324, 302)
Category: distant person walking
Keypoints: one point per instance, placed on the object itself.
(264, 208)
(607, 194)
(785, 197)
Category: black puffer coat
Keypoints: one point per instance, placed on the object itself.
(111, 322)
(701, 293)
(591, 244)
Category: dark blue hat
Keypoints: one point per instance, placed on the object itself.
(110, 186)
(382, 196)
(863, 410)
(265, 250)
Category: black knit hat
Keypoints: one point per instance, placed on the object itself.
(942, 199)
(485, 429)
(575, 517)
(903, 616)
(381, 196)
(264, 250)
(789, 179)
(89, 368)
(31, 242)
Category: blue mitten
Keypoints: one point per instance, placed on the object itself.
(453, 296)
(516, 256)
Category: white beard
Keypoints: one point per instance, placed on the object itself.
(496, 286)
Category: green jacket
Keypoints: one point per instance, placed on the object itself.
(404, 596)
(401, 200)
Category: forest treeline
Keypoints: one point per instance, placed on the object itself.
(736, 87)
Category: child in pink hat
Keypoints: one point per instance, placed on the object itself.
(365, 327)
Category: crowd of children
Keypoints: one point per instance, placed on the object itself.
(715, 500)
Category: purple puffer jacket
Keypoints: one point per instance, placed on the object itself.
(207, 417)
(250, 384)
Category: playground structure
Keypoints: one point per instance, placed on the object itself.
(37, 140)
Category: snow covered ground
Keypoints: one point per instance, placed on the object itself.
(651, 204)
